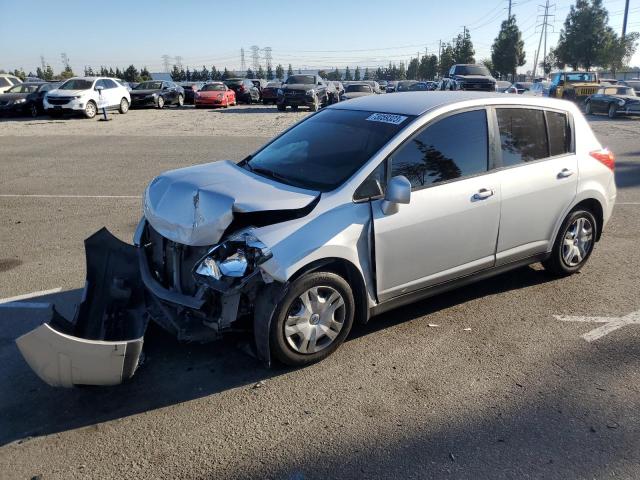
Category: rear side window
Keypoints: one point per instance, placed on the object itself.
(523, 135)
(453, 147)
(559, 131)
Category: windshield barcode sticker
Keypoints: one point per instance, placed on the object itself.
(386, 118)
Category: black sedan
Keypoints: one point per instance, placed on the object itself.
(190, 89)
(156, 93)
(25, 98)
(613, 100)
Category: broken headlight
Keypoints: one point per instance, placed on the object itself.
(236, 257)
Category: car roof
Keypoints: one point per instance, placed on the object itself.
(417, 103)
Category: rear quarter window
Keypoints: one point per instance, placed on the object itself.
(559, 132)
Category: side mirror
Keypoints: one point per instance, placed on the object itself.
(99, 88)
(560, 83)
(398, 191)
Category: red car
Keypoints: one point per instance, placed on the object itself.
(215, 94)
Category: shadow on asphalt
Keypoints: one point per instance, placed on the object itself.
(628, 173)
(171, 373)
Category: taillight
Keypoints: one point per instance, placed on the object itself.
(605, 156)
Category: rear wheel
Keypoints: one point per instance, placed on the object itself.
(124, 106)
(33, 110)
(587, 108)
(315, 105)
(160, 102)
(313, 319)
(90, 110)
(574, 243)
(180, 100)
(612, 110)
(282, 107)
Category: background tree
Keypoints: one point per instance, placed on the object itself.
(507, 51)
(204, 74)
(68, 73)
(299, 71)
(215, 74)
(402, 72)
(280, 72)
(379, 73)
(356, 74)
(175, 73)
(489, 64)
(620, 50)
(463, 51)
(144, 74)
(269, 72)
(20, 74)
(447, 59)
(88, 71)
(260, 73)
(347, 74)
(249, 73)
(40, 73)
(131, 74)
(118, 73)
(226, 74)
(48, 73)
(367, 74)
(412, 69)
(586, 39)
(289, 71)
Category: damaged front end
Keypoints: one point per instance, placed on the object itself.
(195, 293)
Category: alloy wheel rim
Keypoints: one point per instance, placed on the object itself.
(124, 105)
(315, 320)
(578, 241)
(91, 110)
(180, 100)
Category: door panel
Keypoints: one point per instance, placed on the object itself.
(443, 233)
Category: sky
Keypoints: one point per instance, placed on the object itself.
(308, 35)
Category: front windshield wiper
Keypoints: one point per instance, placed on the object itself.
(269, 174)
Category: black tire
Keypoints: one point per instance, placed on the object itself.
(556, 263)
(180, 101)
(611, 112)
(124, 106)
(587, 108)
(33, 110)
(282, 107)
(265, 102)
(91, 109)
(281, 349)
(160, 102)
(294, 108)
(248, 100)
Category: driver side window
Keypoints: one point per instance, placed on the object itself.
(453, 147)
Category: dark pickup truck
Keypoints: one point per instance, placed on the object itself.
(303, 91)
(469, 77)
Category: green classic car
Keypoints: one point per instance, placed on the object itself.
(613, 100)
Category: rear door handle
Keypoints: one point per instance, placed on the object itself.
(565, 172)
(483, 193)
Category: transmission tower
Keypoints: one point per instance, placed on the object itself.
(43, 63)
(255, 57)
(65, 59)
(267, 57)
(178, 60)
(165, 62)
(544, 29)
(243, 63)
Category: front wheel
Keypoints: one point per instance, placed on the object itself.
(612, 110)
(587, 108)
(33, 110)
(124, 106)
(160, 102)
(574, 243)
(282, 107)
(180, 100)
(90, 110)
(315, 105)
(313, 319)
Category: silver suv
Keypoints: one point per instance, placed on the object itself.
(362, 207)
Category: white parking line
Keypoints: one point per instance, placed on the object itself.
(627, 203)
(67, 196)
(14, 302)
(610, 323)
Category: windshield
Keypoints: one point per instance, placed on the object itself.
(76, 84)
(23, 88)
(303, 79)
(303, 157)
(149, 86)
(233, 81)
(405, 85)
(581, 77)
(617, 91)
(472, 70)
(213, 87)
(358, 88)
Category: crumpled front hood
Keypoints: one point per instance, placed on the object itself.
(195, 205)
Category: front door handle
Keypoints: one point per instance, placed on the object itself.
(565, 172)
(483, 193)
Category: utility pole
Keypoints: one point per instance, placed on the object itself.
(255, 57)
(543, 33)
(626, 15)
(267, 56)
(165, 62)
(509, 17)
(243, 63)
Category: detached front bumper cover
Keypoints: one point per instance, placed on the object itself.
(103, 343)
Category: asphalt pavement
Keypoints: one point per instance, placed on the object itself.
(495, 380)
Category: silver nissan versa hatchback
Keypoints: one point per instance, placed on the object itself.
(364, 206)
